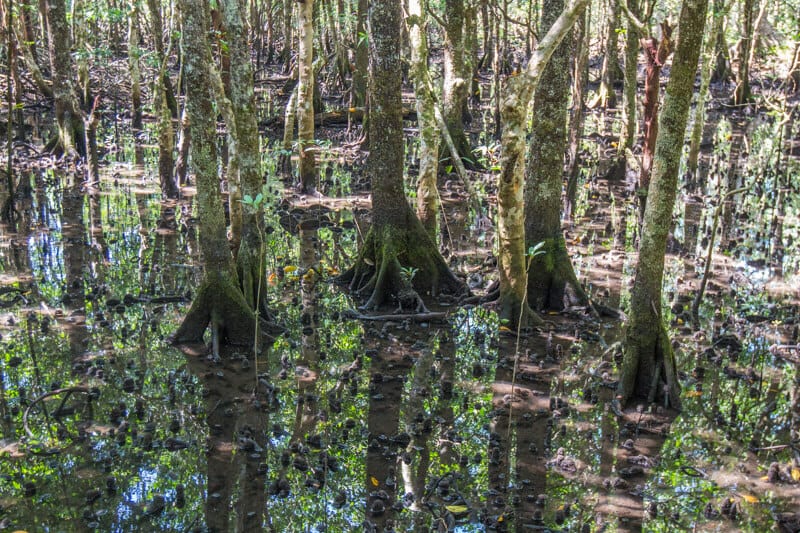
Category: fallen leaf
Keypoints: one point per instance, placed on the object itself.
(796, 474)
(749, 498)
(374, 481)
(457, 509)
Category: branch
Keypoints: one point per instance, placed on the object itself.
(637, 24)
(435, 17)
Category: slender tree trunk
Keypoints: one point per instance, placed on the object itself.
(457, 78)
(741, 94)
(610, 71)
(551, 279)
(627, 135)
(71, 128)
(427, 193)
(134, 52)
(648, 368)
(307, 167)
(157, 27)
(719, 11)
(359, 90)
(656, 53)
(514, 104)
(219, 301)
(580, 74)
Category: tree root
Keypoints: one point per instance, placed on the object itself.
(662, 383)
(219, 303)
(379, 275)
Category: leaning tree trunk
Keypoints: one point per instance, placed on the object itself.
(71, 127)
(219, 301)
(514, 103)
(648, 368)
(398, 259)
(305, 98)
(427, 193)
(551, 279)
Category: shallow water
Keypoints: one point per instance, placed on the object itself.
(343, 425)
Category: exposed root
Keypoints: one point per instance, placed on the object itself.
(649, 372)
(219, 303)
(379, 274)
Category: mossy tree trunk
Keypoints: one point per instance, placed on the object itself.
(648, 369)
(359, 81)
(219, 301)
(719, 12)
(307, 168)
(71, 127)
(628, 132)
(427, 193)
(457, 78)
(551, 279)
(515, 99)
(396, 242)
(741, 94)
(610, 72)
(249, 260)
(580, 74)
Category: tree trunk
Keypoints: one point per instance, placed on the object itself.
(580, 74)
(551, 279)
(427, 193)
(610, 71)
(627, 135)
(514, 104)
(219, 301)
(250, 263)
(359, 90)
(305, 98)
(741, 94)
(720, 10)
(656, 53)
(457, 76)
(71, 128)
(397, 246)
(648, 369)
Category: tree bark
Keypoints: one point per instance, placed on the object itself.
(397, 246)
(516, 96)
(648, 369)
(551, 279)
(219, 301)
(580, 74)
(306, 167)
(71, 128)
(457, 76)
(428, 155)
(741, 94)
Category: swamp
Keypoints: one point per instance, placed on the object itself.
(288, 266)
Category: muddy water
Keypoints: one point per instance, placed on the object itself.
(343, 425)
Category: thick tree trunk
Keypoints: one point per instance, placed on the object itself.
(219, 301)
(551, 279)
(514, 103)
(71, 128)
(428, 155)
(307, 167)
(648, 369)
(398, 259)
